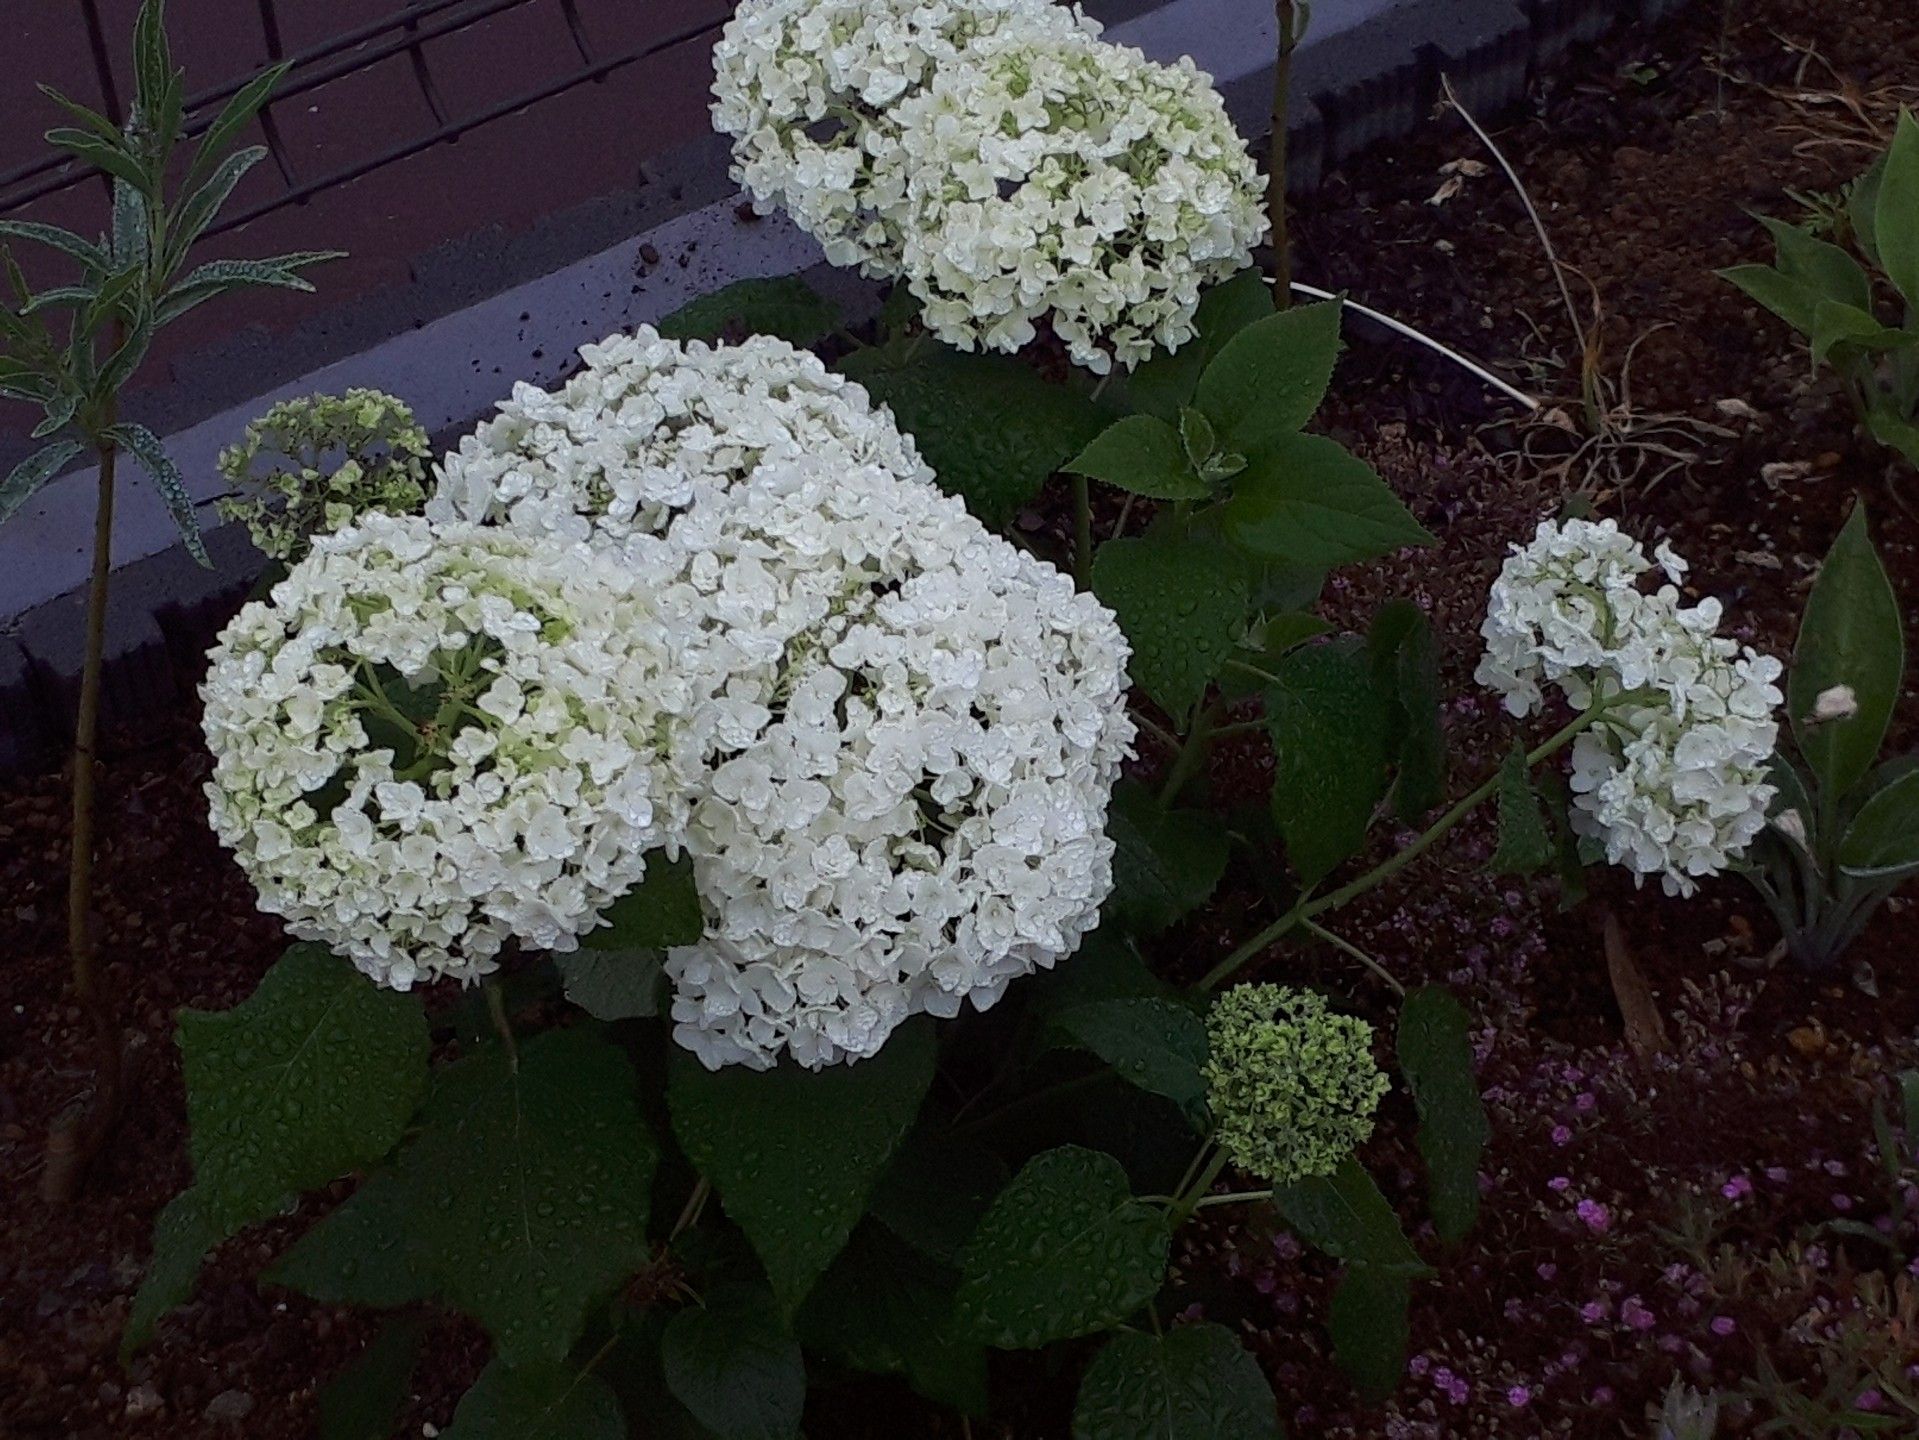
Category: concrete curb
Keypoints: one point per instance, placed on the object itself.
(466, 328)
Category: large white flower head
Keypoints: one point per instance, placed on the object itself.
(1672, 779)
(649, 427)
(1076, 182)
(429, 741)
(908, 737)
(808, 89)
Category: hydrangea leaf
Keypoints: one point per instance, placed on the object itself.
(729, 1361)
(1166, 863)
(613, 984)
(1370, 1329)
(1157, 1045)
(662, 910)
(1267, 381)
(1344, 1215)
(1329, 731)
(1179, 601)
(1195, 1382)
(1524, 844)
(537, 1402)
(1406, 669)
(363, 1401)
(527, 1189)
(1436, 1054)
(887, 1308)
(992, 429)
(1309, 502)
(1883, 839)
(361, 1254)
(936, 1189)
(794, 1154)
(1850, 635)
(1142, 455)
(314, 1075)
(786, 307)
(1164, 384)
(1065, 1250)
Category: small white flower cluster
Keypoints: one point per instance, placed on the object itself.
(648, 427)
(997, 156)
(1672, 779)
(429, 740)
(903, 762)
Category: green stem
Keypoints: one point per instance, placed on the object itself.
(1314, 928)
(1191, 752)
(1236, 1197)
(1393, 864)
(1189, 1201)
(1083, 532)
(1276, 161)
(496, 1011)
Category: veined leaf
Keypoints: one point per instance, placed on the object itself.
(1141, 455)
(1267, 381)
(1329, 733)
(1309, 502)
(1370, 1329)
(1344, 1215)
(1164, 384)
(1180, 601)
(1436, 1055)
(1194, 1382)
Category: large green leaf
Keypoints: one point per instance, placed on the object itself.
(1883, 839)
(662, 910)
(1850, 635)
(1329, 731)
(989, 425)
(1896, 226)
(1156, 1044)
(735, 1368)
(1344, 1215)
(1791, 300)
(1828, 270)
(527, 1189)
(1195, 1382)
(786, 307)
(1164, 384)
(1405, 662)
(1166, 863)
(1436, 1054)
(1144, 455)
(795, 1153)
(1524, 844)
(1267, 381)
(361, 1254)
(1065, 1250)
(1309, 502)
(537, 1402)
(1180, 601)
(613, 984)
(363, 1401)
(937, 1187)
(314, 1075)
(1370, 1330)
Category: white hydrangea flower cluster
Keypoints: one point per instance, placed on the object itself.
(649, 427)
(904, 753)
(808, 89)
(1079, 183)
(430, 740)
(1673, 779)
(997, 156)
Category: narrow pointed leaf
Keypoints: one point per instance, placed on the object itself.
(65, 241)
(145, 447)
(33, 472)
(1370, 1330)
(1436, 1055)
(1896, 221)
(1883, 839)
(87, 119)
(94, 151)
(198, 210)
(1344, 1215)
(238, 113)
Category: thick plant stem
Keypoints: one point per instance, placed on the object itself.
(72, 1148)
(1189, 1199)
(1276, 161)
(1083, 532)
(1192, 752)
(1394, 863)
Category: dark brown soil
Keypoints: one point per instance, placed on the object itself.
(1644, 162)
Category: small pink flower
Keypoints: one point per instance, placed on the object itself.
(1597, 1217)
(1778, 1174)
(1602, 1395)
(1519, 1397)
(1724, 1325)
(1841, 1203)
(1635, 1314)
(1868, 1400)
(1585, 1102)
(1593, 1312)
(1737, 1188)
(1559, 1184)
(1562, 1135)
(1546, 1270)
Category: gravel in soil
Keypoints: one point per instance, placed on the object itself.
(1645, 1216)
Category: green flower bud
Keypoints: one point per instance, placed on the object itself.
(1291, 1085)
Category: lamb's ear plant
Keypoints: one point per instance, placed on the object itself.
(1859, 307)
(1844, 831)
(72, 349)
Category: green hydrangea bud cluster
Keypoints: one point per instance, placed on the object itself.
(314, 465)
(1291, 1085)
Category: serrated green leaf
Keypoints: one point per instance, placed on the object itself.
(1144, 456)
(361, 1254)
(183, 1233)
(1436, 1056)
(785, 306)
(1267, 381)
(145, 447)
(1180, 602)
(662, 910)
(733, 1366)
(1883, 839)
(935, 1190)
(1405, 662)
(31, 473)
(1310, 503)
(363, 1401)
(1065, 1250)
(1370, 1329)
(1896, 221)
(528, 1188)
(537, 1402)
(1164, 383)
(1157, 1045)
(887, 1309)
(1851, 634)
(1525, 844)
(1166, 863)
(1345, 1216)
(613, 984)
(992, 429)
(1195, 1382)
(1329, 734)
(794, 1154)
